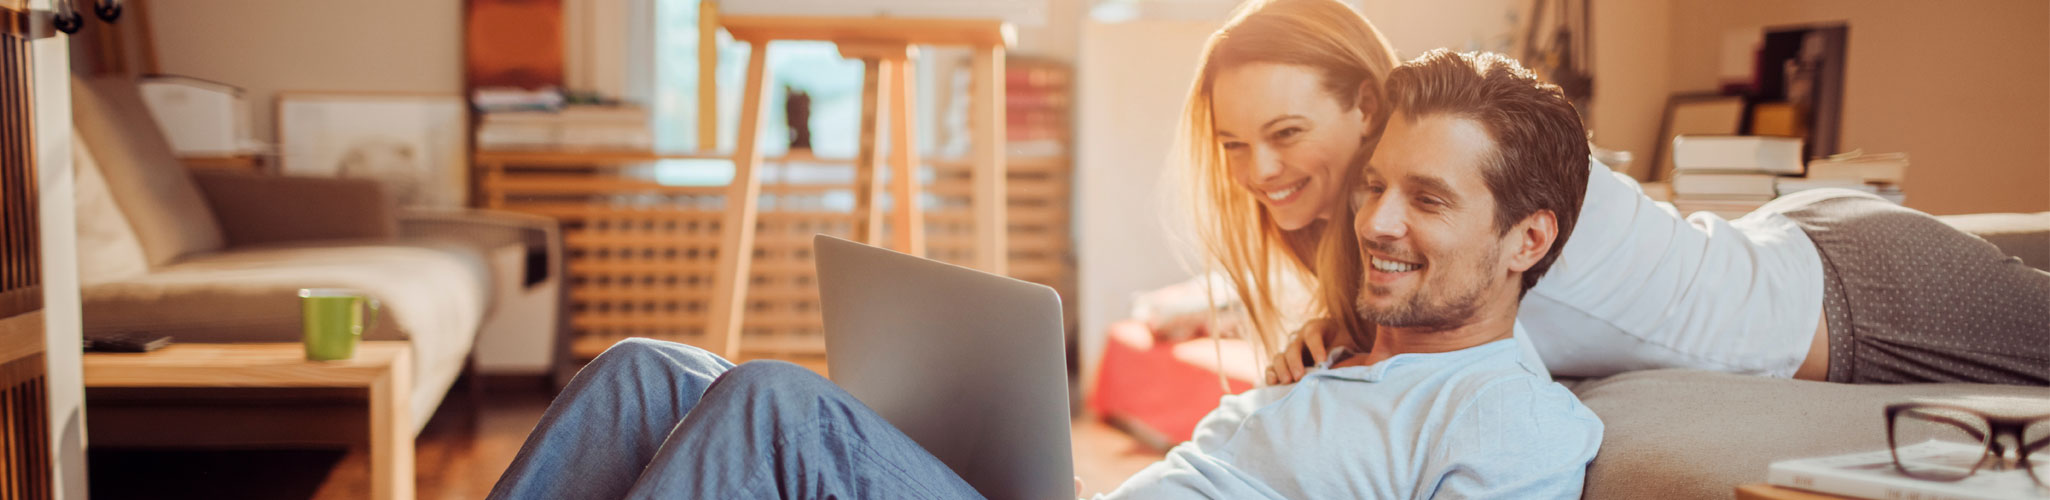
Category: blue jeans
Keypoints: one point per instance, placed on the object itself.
(652, 419)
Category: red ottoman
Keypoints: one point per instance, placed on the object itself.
(1159, 391)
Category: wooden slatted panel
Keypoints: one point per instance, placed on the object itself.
(642, 254)
(25, 467)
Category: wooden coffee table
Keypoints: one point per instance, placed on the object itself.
(385, 368)
(1762, 491)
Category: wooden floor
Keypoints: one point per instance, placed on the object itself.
(461, 453)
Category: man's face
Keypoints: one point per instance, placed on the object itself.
(1425, 220)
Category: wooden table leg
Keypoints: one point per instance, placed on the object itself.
(391, 433)
(737, 227)
(877, 75)
(988, 198)
(908, 224)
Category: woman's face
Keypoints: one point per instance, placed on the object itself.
(1286, 138)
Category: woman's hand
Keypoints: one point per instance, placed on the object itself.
(1309, 346)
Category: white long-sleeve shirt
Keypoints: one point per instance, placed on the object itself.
(1640, 287)
(1481, 422)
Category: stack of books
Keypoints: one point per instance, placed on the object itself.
(1730, 175)
(1036, 105)
(1879, 174)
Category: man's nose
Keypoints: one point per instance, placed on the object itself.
(1381, 219)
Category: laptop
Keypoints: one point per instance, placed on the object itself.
(971, 365)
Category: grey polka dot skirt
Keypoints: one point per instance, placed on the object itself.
(1910, 299)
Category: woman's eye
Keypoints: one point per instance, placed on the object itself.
(1234, 146)
(1287, 133)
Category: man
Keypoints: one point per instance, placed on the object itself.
(1445, 403)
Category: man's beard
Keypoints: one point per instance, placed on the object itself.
(1420, 312)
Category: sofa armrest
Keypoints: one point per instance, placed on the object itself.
(489, 229)
(257, 209)
(2021, 235)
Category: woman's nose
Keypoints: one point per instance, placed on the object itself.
(1266, 163)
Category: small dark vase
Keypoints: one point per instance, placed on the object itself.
(797, 114)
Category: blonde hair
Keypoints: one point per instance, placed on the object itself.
(1238, 236)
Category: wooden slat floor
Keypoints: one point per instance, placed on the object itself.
(459, 456)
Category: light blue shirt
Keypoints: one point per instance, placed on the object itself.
(1481, 422)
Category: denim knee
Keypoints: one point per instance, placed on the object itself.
(638, 351)
(778, 379)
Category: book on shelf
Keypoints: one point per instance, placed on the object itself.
(1880, 168)
(1727, 207)
(1778, 155)
(1791, 185)
(1873, 475)
(1712, 183)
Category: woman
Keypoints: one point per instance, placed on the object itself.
(1282, 109)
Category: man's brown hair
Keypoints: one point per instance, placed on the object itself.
(1539, 161)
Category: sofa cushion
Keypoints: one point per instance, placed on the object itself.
(146, 179)
(1683, 434)
(433, 294)
(107, 248)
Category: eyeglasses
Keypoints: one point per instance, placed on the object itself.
(1915, 432)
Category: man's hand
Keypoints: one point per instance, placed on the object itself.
(1310, 345)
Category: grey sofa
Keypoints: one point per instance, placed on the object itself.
(1680, 434)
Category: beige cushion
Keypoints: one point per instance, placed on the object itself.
(147, 181)
(433, 294)
(107, 248)
(1681, 434)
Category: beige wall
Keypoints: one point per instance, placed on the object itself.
(1959, 86)
(1631, 45)
(267, 46)
(1131, 80)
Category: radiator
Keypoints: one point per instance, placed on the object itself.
(25, 463)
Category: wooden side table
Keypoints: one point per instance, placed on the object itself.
(385, 368)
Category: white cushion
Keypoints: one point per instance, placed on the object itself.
(107, 247)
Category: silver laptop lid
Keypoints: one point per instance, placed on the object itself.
(971, 365)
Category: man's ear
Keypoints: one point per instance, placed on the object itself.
(1368, 102)
(1532, 238)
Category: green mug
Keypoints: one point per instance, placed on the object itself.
(334, 321)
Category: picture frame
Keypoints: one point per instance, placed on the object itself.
(416, 144)
(1693, 114)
